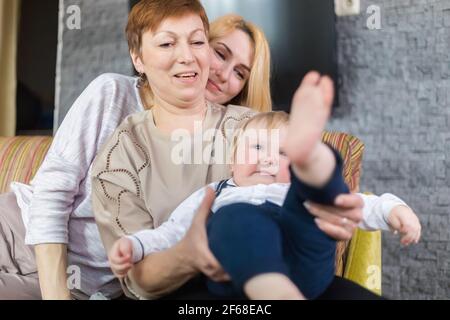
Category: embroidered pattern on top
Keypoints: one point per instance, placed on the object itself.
(126, 172)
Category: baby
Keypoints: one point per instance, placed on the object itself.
(260, 231)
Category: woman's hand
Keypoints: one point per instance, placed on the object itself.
(338, 221)
(120, 257)
(195, 243)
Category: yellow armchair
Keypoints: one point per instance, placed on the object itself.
(358, 260)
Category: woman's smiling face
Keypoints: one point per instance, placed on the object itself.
(231, 62)
(176, 59)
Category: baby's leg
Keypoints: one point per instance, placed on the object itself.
(247, 241)
(309, 252)
(312, 161)
(317, 176)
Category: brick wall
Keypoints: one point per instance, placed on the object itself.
(395, 96)
(99, 46)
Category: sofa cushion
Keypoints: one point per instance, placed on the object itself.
(20, 158)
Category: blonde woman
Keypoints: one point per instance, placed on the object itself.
(240, 64)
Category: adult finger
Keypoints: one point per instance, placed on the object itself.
(334, 216)
(335, 232)
(349, 201)
(354, 214)
(220, 275)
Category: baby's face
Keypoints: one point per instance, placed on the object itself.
(260, 158)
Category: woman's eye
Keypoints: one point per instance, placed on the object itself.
(166, 45)
(240, 75)
(220, 54)
(283, 154)
(198, 43)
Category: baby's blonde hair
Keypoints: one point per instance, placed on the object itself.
(266, 120)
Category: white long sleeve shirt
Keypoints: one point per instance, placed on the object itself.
(56, 207)
(375, 213)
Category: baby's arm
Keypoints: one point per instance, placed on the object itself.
(149, 241)
(388, 212)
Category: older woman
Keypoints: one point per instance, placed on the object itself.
(136, 182)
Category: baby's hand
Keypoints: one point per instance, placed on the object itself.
(403, 220)
(121, 257)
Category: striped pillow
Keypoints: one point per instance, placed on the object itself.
(351, 150)
(20, 158)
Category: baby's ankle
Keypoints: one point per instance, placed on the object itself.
(318, 168)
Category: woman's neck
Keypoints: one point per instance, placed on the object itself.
(168, 118)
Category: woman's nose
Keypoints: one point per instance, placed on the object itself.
(223, 73)
(185, 55)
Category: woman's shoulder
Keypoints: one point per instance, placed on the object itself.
(105, 80)
(117, 85)
(109, 91)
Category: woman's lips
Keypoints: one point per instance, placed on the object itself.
(187, 78)
(213, 86)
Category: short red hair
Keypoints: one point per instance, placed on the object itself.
(149, 14)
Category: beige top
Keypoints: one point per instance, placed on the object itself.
(136, 184)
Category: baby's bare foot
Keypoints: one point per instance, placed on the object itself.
(311, 108)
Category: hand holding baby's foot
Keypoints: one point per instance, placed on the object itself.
(312, 161)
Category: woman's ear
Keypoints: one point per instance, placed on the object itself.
(137, 62)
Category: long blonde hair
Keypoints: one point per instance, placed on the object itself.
(256, 92)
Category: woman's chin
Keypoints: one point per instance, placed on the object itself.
(215, 98)
(190, 95)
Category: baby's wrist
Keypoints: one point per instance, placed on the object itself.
(138, 249)
(389, 207)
